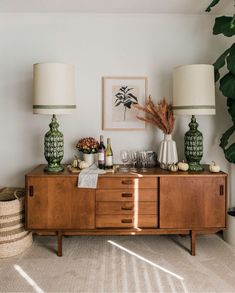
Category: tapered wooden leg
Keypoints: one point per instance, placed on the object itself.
(60, 239)
(193, 243)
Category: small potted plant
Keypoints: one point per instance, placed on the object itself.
(88, 146)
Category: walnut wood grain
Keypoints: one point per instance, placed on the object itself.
(128, 231)
(126, 204)
(126, 183)
(126, 221)
(151, 172)
(192, 203)
(126, 195)
(127, 208)
(57, 203)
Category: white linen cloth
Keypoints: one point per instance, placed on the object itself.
(88, 177)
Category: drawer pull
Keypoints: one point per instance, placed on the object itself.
(30, 190)
(126, 208)
(127, 182)
(126, 194)
(126, 220)
(221, 190)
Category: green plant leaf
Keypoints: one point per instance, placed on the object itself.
(219, 63)
(230, 151)
(216, 75)
(227, 85)
(225, 137)
(232, 23)
(231, 59)
(223, 26)
(231, 108)
(213, 3)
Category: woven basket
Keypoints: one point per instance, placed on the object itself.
(13, 237)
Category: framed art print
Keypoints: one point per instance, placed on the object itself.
(120, 94)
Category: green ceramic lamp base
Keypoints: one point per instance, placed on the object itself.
(195, 166)
(54, 168)
(54, 147)
(193, 146)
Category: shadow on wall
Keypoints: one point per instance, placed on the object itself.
(156, 136)
(178, 135)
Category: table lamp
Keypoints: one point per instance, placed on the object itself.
(53, 93)
(194, 94)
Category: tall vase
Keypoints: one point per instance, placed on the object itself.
(89, 158)
(167, 153)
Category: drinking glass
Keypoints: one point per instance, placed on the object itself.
(133, 159)
(124, 154)
(143, 158)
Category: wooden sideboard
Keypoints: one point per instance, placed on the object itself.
(153, 202)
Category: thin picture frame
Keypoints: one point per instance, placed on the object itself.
(119, 96)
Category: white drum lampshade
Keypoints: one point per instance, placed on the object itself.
(54, 92)
(194, 90)
(194, 94)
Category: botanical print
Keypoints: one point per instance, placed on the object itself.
(124, 98)
(120, 95)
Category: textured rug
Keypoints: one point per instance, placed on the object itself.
(121, 264)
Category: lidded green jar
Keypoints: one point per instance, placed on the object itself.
(193, 146)
(54, 147)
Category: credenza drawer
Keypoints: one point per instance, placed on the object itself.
(126, 221)
(126, 182)
(126, 195)
(128, 207)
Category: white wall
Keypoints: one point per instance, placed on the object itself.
(98, 45)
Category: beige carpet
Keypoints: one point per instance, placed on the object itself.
(121, 264)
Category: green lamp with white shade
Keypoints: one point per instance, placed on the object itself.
(194, 94)
(54, 92)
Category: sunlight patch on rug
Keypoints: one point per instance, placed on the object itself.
(28, 279)
(146, 260)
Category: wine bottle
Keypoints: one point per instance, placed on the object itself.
(101, 153)
(109, 155)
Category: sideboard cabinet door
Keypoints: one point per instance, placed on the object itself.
(56, 203)
(192, 201)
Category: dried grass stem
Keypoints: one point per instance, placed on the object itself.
(160, 115)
